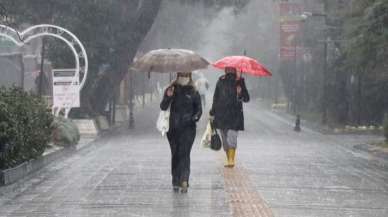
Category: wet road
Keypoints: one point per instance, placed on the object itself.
(310, 174)
(279, 173)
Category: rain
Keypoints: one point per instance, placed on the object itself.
(175, 108)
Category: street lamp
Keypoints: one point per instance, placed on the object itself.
(305, 15)
(131, 121)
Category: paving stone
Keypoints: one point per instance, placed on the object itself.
(279, 173)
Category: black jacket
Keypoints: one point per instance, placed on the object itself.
(227, 106)
(185, 106)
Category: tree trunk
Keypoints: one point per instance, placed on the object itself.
(126, 50)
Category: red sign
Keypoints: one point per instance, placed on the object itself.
(289, 30)
(289, 33)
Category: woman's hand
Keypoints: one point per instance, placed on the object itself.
(170, 91)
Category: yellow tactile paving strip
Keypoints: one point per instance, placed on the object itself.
(244, 200)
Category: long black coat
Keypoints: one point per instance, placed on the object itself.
(185, 108)
(227, 106)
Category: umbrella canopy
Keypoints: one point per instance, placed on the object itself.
(170, 60)
(243, 64)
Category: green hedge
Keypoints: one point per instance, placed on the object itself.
(25, 127)
(65, 132)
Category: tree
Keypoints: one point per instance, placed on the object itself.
(357, 77)
(366, 31)
(357, 70)
(111, 31)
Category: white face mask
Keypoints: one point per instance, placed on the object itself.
(183, 81)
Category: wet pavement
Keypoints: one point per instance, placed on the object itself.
(279, 173)
(310, 174)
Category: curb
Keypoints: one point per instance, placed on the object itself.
(304, 123)
(373, 150)
(370, 149)
(323, 128)
(12, 175)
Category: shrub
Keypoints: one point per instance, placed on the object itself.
(65, 132)
(386, 127)
(25, 127)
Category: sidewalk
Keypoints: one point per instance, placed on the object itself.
(127, 173)
(121, 176)
(279, 173)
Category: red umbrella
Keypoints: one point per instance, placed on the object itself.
(243, 64)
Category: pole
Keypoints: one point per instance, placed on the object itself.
(22, 70)
(302, 72)
(114, 109)
(288, 87)
(302, 88)
(143, 90)
(150, 88)
(303, 85)
(41, 73)
(295, 80)
(110, 111)
(324, 95)
(131, 124)
(359, 93)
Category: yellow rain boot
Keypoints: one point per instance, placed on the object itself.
(227, 162)
(231, 155)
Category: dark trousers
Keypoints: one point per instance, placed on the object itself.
(181, 141)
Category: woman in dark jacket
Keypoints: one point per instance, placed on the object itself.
(185, 106)
(227, 110)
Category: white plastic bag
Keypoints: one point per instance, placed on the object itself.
(163, 123)
(206, 138)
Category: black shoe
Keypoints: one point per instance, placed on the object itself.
(175, 188)
(175, 185)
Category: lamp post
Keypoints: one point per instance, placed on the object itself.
(131, 124)
(299, 43)
(41, 73)
(295, 80)
(305, 16)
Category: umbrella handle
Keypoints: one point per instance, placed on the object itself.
(240, 75)
(149, 72)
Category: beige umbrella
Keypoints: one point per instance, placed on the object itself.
(170, 60)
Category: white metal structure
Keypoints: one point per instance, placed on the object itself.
(80, 55)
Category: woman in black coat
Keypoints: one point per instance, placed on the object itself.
(185, 106)
(227, 110)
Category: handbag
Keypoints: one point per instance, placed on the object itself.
(215, 141)
(163, 122)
